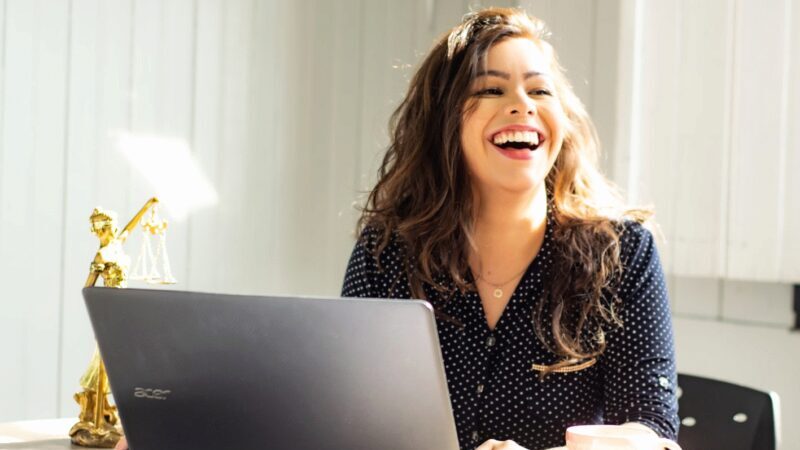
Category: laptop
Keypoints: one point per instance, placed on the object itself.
(192, 370)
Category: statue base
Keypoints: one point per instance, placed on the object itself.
(86, 434)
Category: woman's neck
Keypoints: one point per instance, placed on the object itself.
(503, 215)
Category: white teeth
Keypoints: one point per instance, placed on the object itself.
(516, 136)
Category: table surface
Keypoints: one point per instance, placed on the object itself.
(48, 434)
(50, 444)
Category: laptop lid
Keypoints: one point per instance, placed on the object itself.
(195, 370)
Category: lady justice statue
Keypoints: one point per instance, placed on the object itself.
(98, 424)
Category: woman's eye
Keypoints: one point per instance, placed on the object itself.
(541, 92)
(490, 91)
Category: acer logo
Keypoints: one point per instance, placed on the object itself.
(152, 394)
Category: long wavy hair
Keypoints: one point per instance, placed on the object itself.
(423, 196)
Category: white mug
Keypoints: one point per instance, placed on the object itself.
(615, 437)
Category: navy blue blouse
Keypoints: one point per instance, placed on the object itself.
(494, 391)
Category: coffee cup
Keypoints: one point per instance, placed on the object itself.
(615, 437)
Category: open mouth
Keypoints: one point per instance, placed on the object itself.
(518, 140)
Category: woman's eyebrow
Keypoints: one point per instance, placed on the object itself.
(506, 75)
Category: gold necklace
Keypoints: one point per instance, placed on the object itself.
(498, 288)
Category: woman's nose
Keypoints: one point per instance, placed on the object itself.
(521, 104)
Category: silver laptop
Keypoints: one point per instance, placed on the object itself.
(200, 371)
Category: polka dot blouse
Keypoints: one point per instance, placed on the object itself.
(494, 391)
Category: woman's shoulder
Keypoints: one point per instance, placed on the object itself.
(636, 240)
(639, 257)
(375, 239)
(628, 233)
(385, 249)
(375, 266)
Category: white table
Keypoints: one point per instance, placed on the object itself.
(47, 434)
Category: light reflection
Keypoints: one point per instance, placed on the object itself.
(173, 173)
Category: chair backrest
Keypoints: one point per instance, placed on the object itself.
(719, 415)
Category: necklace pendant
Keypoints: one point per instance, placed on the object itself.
(498, 293)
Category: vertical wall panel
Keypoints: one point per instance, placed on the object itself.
(148, 55)
(757, 144)
(99, 93)
(162, 101)
(16, 215)
(16, 113)
(323, 163)
(147, 115)
(31, 202)
(47, 199)
(606, 79)
(385, 62)
(656, 140)
(310, 151)
(206, 139)
(344, 116)
(232, 158)
(177, 86)
(280, 132)
(113, 24)
(2, 88)
(790, 247)
(702, 129)
(624, 160)
(376, 101)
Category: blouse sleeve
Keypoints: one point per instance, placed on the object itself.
(639, 361)
(359, 278)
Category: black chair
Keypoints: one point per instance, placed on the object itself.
(719, 415)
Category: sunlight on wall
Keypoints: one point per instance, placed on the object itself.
(168, 165)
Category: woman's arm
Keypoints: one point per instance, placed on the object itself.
(639, 361)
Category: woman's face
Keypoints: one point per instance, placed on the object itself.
(514, 131)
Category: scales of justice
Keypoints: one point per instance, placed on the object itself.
(98, 423)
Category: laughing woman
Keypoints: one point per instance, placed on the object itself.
(549, 295)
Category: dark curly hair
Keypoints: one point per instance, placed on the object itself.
(424, 197)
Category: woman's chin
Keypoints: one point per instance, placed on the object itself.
(522, 186)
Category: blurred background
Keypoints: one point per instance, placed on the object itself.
(282, 110)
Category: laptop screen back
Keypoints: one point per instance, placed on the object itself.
(194, 370)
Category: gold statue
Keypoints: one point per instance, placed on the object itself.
(98, 424)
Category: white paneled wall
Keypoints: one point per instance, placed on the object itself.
(790, 248)
(676, 158)
(713, 143)
(32, 142)
(702, 130)
(758, 139)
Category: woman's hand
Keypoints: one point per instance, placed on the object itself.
(122, 444)
(492, 444)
